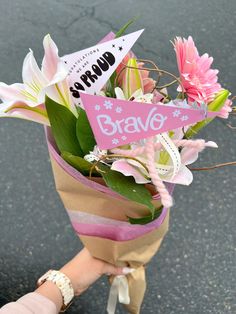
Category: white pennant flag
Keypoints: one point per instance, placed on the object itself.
(90, 69)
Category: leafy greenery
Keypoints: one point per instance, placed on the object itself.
(127, 187)
(84, 133)
(63, 125)
(79, 163)
(111, 83)
(146, 219)
(124, 27)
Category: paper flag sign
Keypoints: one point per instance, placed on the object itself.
(90, 69)
(118, 122)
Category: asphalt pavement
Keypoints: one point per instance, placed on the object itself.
(195, 270)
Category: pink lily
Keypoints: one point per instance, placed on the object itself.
(139, 76)
(26, 100)
(132, 80)
(21, 110)
(189, 155)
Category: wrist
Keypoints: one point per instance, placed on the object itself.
(50, 290)
(61, 284)
(73, 274)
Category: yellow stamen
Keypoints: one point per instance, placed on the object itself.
(29, 96)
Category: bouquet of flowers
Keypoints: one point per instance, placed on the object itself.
(119, 141)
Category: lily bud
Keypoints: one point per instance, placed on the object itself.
(132, 80)
(215, 105)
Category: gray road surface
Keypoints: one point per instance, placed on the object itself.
(194, 272)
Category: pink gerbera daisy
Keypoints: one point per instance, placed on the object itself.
(198, 79)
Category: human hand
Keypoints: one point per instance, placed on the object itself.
(83, 270)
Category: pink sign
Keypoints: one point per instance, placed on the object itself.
(118, 122)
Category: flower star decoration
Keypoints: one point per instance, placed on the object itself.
(107, 104)
(118, 109)
(184, 118)
(97, 107)
(176, 113)
(115, 141)
(27, 100)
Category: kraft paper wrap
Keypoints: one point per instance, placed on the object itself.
(134, 253)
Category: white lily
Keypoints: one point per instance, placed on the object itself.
(138, 95)
(184, 176)
(27, 100)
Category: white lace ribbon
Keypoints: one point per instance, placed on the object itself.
(119, 290)
(174, 154)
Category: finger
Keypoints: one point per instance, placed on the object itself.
(110, 269)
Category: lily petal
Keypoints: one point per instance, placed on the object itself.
(184, 176)
(21, 110)
(11, 92)
(33, 78)
(60, 93)
(124, 167)
(53, 68)
(119, 93)
(211, 144)
(189, 155)
(31, 71)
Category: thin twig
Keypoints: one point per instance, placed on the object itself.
(112, 157)
(166, 85)
(231, 127)
(232, 163)
(164, 72)
(155, 69)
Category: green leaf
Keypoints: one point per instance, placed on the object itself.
(79, 163)
(215, 105)
(127, 187)
(111, 82)
(145, 220)
(63, 125)
(124, 28)
(84, 132)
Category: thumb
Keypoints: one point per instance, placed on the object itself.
(110, 269)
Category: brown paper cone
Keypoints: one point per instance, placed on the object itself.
(137, 288)
(77, 196)
(133, 253)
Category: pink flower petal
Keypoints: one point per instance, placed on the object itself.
(189, 155)
(21, 110)
(60, 93)
(50, 59)
(198, 79)
(53, 68)
(32, 77)
(11, 92)
(184, 176)
(128, 170)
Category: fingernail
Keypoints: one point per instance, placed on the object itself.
(127, 270)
